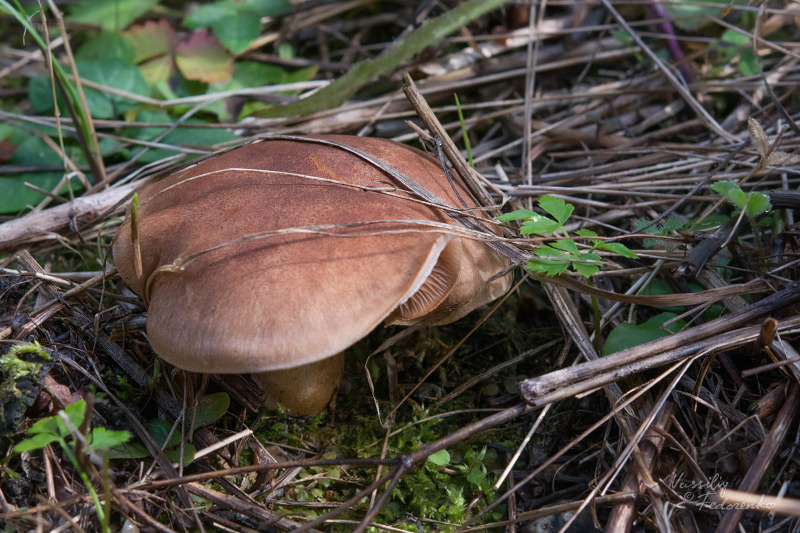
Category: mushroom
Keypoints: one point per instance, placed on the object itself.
(274, 257)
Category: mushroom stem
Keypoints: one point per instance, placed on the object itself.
(303, 390)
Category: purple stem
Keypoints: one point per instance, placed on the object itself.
(657, 11)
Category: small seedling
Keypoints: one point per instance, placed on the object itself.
(554, 258)
(753, 204)
(63, 429)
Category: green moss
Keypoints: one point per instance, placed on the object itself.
(15, 368)
(21, 369)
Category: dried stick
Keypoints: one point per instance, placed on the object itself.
(761, 502)
(45, 224)
(621, 519)
(474, 181)
(783, 423)
(587, 376)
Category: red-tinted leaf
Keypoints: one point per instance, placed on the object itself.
(6, 151)
(150, 39)
(156, 70)
(202, 57)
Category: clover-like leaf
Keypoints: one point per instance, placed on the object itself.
(584, 232)
(103, 439)
(539, 224)
(519, 214)
(557, 207)
(587, 270)
(618, 248)
(567, 245)
(549, 261)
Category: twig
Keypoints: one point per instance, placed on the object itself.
(783, 423)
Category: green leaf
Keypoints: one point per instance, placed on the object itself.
(36, 442)
(16, 196)
(754, 203)
(206, 14)
(440, 458)
(567, 245)
(731, 192)
(110, 14)
(76, 412)
(583, 232)
(159, 429)
(265, 8)
(628, 335)
(519, 214)
(476, 476)
(538, 266)
(757, 203)
(133, 450)
(106, 45)
(246, 74)
(33, 151)
(618, 248)
(188, 453)
(587, 270)
(237, 30)
(557, 207)
(103, 439)
(549, 261)
(40, 94)
(44, 426)
(539, 224)
(748, 62)
(211, 408)
(735, 38)
(117, 75)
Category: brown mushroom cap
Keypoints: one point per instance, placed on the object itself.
(293, 298)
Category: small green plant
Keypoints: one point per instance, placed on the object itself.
(753, 204)
(658, 230)
(735, 45)
(62, 428)
(467, 145)
(209, 409)
(555, 258)
(627, 335)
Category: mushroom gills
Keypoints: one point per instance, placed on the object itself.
(435, 287)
